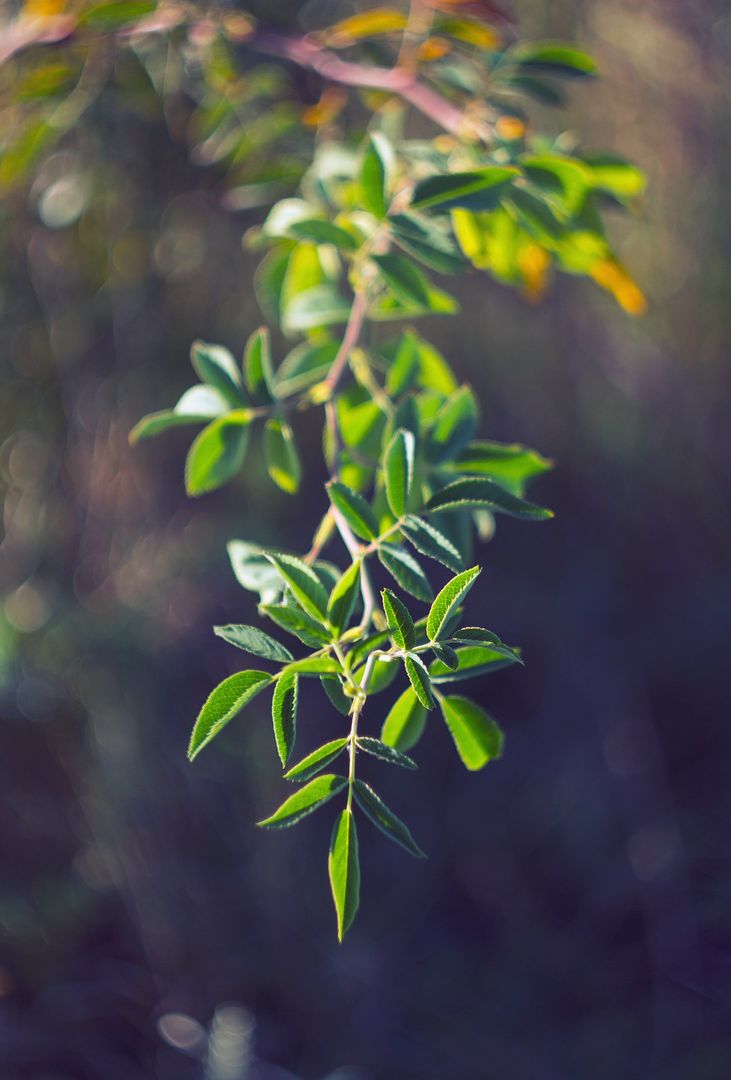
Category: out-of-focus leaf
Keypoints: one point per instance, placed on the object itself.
(217, 453)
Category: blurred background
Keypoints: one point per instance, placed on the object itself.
(572, 920)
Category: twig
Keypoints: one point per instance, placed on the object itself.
(308, 54)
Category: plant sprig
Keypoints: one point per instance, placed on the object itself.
(410, 485)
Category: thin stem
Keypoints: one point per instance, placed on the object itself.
(358, 704)
(353, 330)
(308, 54)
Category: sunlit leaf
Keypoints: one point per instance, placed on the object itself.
(304, 801)
(223, 704)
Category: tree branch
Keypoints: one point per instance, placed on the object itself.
(398, 80)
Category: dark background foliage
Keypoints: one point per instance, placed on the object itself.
(572, 919)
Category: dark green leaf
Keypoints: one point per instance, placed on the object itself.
(217, 453)
(426, 240)
(296, 622)
(324, 232)
(419, 679)
(284, 713)
(258, 369)
(385, 819)
(399, 620)
(217, 367)
(478, 190)
(454, 424)
(404, 367)
(254, 641)
(447, 600)
(472, 635)
(553, 57)
(407, 281)
(223, 704)
(333, 687)
(476, 735)
(316, 761)
(385, 752)
(406, 571)
(354, 509)
(303, 583)
(398, 466)
(343, 597)
(344, 871)
(474, 662)
(304, 801)
(481, 491)
(429, 541)
(447, 656)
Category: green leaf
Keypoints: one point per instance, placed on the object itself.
(114, 13)
(476, 735)
(454, 424)
(304, 801)
(406, 571)
(614, 176)
(343, 597)
(223, 704)
(157, 422)
(304, 365)
(399, 620)
(258, 370)
(511, 465)
(284, 713)
(385, 752)
(324, 232)
(314, 665)
(202, 402)
(470, 635)
(254, 641)
(280, 452)
(319, 306)
(316, 761)
(478, 190)
(424, 239)
(344, 871)
(217, 367)
(333, 687)
(447, 600)
(419, 679)
(253, 570)
(404, 725)
(398, 465)
(447, 655)
(354, 509)
(429, 541)
(404, 367)
(407, 281)
(296, 622)
(553, 57)
(375, 174)
(474, 662)
(303, 583)
(481, 491)
(385, 819)
(217, 453)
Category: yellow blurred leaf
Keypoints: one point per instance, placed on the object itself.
(510, 128)
(434, 48)
(329, 106)
(471, 32)
(365, 24)
(44, 9)
(610, 275)
(534, 263)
